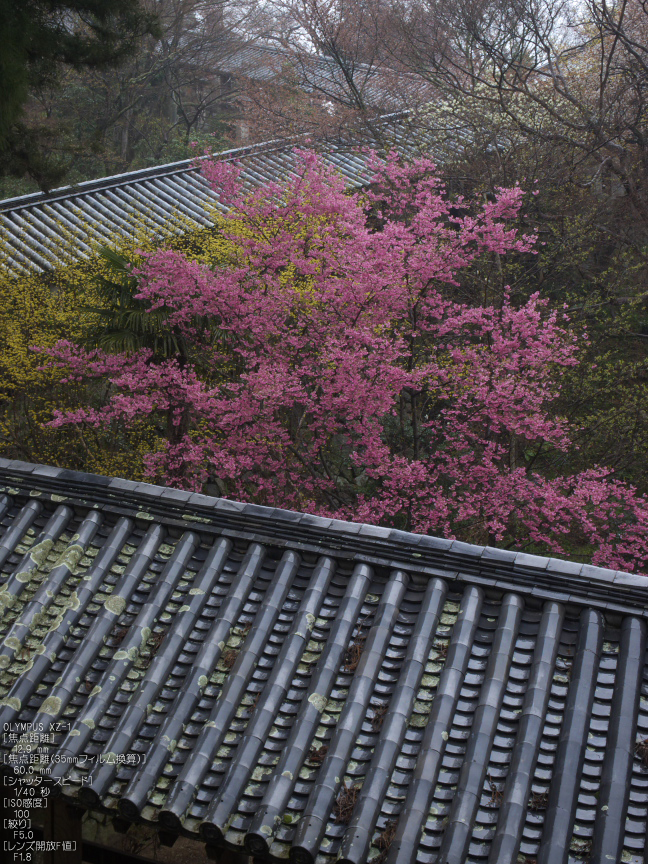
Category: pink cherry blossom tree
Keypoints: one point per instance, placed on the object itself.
(334, 373)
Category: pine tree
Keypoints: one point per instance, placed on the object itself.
(39, 38)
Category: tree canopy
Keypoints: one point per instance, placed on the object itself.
(39, 38)
(328, 366)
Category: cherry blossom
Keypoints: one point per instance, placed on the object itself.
(335, 373)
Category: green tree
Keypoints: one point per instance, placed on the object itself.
(39, 39)
(125, 323)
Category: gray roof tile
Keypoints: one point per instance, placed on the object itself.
(44, 230)
(487, 718)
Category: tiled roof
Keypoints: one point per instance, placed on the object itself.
(322, 690)
(43, 230)
(266, 62)
(320, 74)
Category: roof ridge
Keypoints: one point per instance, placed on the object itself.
(114, 180)
(503, 570)
(21, 202)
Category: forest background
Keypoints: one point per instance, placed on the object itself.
(545, 95)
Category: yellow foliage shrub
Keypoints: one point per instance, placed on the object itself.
(39, 309)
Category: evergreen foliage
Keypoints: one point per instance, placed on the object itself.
(38, 39)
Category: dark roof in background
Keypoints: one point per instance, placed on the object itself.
(379, 87)
(42, 230)
(264, 62)
(478, 703)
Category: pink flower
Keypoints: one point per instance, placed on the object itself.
(333, 371)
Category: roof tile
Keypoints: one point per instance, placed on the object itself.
(263, 683)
